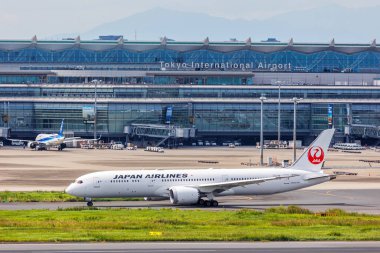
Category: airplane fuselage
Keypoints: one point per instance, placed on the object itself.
(156, 183)
(50, 139)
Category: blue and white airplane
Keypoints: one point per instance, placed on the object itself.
(46, 141)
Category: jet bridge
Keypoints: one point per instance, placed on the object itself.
(162, 132)
(369, 131)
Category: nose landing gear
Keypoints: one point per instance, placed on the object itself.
(89, 202)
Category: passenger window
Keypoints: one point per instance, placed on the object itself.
(80, 182)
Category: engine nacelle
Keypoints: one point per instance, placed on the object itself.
(62, 146)
(183, 195)
(155, 198)
(31, 145)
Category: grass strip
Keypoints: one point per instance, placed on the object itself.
(48, 196)
(98, 225)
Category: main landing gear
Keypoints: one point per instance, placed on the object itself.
(208, 203)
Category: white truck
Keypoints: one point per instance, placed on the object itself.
(117, 146)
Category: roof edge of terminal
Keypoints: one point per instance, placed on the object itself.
(290, 43)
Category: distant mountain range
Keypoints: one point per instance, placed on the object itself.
(315, 25)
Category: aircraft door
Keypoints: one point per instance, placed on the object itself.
(97, 182)
(225, 178)
(151, 182)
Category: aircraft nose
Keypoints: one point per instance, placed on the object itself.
(69, 189)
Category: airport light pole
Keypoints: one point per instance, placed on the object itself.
(262, 99)
(295, 102)
(279, 115)
(95, 109)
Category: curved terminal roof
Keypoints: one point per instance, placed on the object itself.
(139, 46)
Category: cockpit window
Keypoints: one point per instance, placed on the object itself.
(79, 182)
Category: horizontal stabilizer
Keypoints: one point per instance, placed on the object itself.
(315, 176)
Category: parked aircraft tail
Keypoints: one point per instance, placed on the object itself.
(61, 129)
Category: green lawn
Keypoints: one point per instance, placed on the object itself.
(276, 224)
(46, 196)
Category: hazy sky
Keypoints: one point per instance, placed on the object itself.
(21, 19)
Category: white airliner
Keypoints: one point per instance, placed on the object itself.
(201, 186)
(45, 141)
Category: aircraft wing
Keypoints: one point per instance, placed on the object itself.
(223, 186)
(18, 140)
(76, 138)
(71, 139)
(28, 141)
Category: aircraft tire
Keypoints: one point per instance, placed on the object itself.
(201, 202)
(90, 203)
(214, 203)
(207, 203)
(62, 146)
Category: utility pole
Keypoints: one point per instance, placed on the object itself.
(279, 115)
(262, 99)
(295, 102)
(95, 109)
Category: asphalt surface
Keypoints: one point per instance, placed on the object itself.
(351, 200)
(190, 247)
(27, 170)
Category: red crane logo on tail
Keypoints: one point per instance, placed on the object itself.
(316, 155)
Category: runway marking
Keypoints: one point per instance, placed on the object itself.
(328, 193)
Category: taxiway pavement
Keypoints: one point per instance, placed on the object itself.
(191, 247)
(351, 200)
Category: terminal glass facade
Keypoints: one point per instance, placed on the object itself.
(144, 92)
(208, 118)
(213, 87)
(324, 61)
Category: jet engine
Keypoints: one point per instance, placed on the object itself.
(183, 195)
(31, 145)
(62, 146)
(155, 198)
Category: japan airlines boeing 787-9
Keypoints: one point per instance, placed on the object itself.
(201, 186)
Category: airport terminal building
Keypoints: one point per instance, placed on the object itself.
(213, 88)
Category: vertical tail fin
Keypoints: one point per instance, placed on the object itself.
(61, 128)
(313, 157)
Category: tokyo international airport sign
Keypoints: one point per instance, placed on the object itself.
(261, 66)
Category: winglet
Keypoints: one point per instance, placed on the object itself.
(61, 129)
(313, 157)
